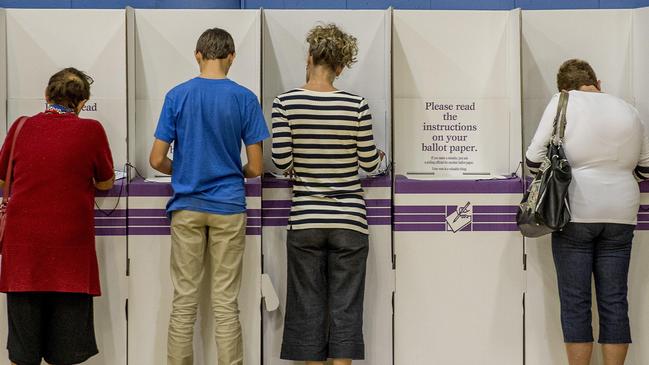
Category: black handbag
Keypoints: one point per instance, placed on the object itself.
(545, 207)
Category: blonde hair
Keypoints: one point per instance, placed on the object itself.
(329, 45)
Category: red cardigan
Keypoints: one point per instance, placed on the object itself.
(49, 242)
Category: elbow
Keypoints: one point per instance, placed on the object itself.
(105, 185)
(156, 162)
(254, 171)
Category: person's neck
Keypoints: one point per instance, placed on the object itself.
(213, 69)
(590, 89)
(320, 79)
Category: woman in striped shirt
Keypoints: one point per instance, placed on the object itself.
(321, 136)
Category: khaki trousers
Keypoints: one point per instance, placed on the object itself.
(196, 237)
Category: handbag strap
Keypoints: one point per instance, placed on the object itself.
(7, 187)
(559, 127)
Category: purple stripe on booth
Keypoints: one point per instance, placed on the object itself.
(642, 227)
(276, 212)
(117, 213)
(271, 182)
(494, 227)
(440, 209)
(413, 218)
(512, 209)
(148, 221)
(253, 231)
(404, 185)
(133, 212)
(110, 222)
(420, 227)
(253, 212)
(379, 212)
(384, 181)
(500, 218)
(379, 221)
(275, 222)
(253, 222)
(275, 204)
(378, 203)
(110, 231)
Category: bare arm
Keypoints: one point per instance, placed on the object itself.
(255, 165)
(158, 158)
(105, 185)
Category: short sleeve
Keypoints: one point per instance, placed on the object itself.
(166, 130)
(103, 160)
(641, 171)
(254, 124)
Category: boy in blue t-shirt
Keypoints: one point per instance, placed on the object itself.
(207, 118)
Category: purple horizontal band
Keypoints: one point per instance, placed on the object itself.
(253, 222)
(110, 222)
(414, 218)
(271, 182)
(253, 231)
(275, 222)
(379, 212)
(378, 203)
(110, 231)
(139, 187)
(379, 221)
(254, 213)
(499, 218)
(117, 213)
(440, 209)
(275, 204)
(511, 209)
(644, 187)
(163, 221)
(276, 212)
(495, 227)
(642, 227)
(404, 185)
(132, 212)
(420, 227)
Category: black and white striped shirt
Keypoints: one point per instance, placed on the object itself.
(324, 137)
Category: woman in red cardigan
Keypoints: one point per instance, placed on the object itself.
(49, 264)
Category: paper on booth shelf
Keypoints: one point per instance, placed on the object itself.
(159, 179)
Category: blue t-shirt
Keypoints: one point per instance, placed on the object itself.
(207, 119)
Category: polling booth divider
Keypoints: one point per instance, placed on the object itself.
(34, 51)
(284, 61)
(162, 48)
(3, 73)
(548, 39)
(457, 149)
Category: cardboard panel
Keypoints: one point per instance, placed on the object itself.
(165, 41)
(99, 50)
(285, 55)
(459, 275)
(456, 117)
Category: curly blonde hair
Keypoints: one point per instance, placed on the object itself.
(329, 45)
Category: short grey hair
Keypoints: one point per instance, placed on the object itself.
(215, 43)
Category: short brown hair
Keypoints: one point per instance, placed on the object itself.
(574, 74)
(329, 45)
(68, 87)
(215, 43)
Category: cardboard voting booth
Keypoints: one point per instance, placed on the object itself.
(617, 49)
(458, 253)
(285, 54)
(162, 47)
(34, 51)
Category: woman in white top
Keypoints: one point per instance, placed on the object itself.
(608, 149)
